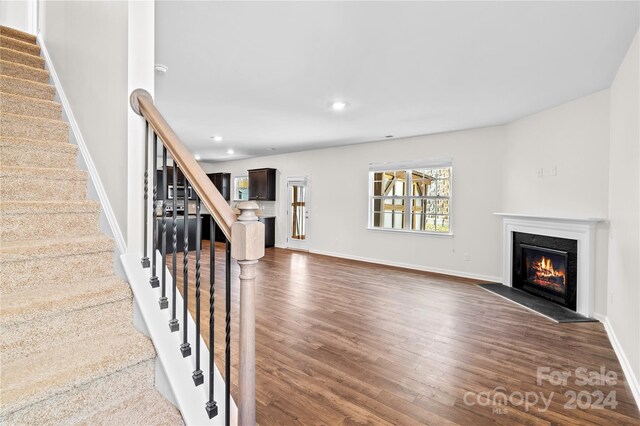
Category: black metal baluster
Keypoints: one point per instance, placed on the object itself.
(163, 301)
(212, 405)
(145, 259)
(174, 325)
(198, 377)
(154, 278)
(185, 347)
(227, 338)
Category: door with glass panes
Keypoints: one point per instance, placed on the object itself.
(298, 213)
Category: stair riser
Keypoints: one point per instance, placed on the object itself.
(11, 69)
(12, 126)
(30, 107)
(17, 274)
(27, 88)
(21, 46)
(41, 188)
(17, 227)
(35, 336)
(24, 156)
(21, 58)
(82, 402)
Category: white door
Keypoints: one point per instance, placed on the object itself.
(298, 213)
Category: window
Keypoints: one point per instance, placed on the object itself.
(241, 188)
(414, 199)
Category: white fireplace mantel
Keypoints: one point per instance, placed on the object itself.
(583, 230)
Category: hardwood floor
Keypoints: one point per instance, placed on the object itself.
(345, 342)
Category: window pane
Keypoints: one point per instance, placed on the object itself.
(444, 187)
(377, 205)
(442, 223)
(430, 223)
(377, 188)
(431, 189)
(443, 207)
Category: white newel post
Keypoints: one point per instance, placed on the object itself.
(247, 236)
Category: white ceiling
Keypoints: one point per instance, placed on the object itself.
(262, 74)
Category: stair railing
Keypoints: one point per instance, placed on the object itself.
(244, 241)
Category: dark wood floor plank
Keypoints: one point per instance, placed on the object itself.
(345, 342)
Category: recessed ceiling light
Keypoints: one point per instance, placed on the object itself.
(161, 68)
(338, 105)
(216, 138)
(230, 151)
(197, 157)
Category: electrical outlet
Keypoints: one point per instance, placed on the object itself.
(467, 257)
(554, 171)
(540, 172)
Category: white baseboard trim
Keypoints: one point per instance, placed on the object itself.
(450, 272)
(632, 380)
(84, 151)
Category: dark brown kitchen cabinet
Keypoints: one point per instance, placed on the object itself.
(262, 184)
(269, 230)
(180, 233)
(222, 181)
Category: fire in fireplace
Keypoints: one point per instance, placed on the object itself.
(545, 268)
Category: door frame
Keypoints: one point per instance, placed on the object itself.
(291, 243)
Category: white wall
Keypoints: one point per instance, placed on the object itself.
(17, 14)
(87, 42)
(624, 209)
(572, 140)
(339, 201)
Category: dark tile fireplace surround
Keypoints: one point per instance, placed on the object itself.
(546, 267)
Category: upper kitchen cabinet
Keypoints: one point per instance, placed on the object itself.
(222, 181)
(262, 184)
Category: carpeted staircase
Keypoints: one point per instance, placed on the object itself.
(69, 351)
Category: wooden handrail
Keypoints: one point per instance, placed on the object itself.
(142, 103)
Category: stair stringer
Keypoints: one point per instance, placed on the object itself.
(154, 322)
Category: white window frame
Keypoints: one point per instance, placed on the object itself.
(235, 187)
(407, 166)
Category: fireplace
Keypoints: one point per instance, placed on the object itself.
(544, 270)
(576, 236)
(546, 266)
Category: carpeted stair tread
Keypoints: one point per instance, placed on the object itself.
(22, 58)
(26, 127)
(148, 409)
(53, 146)
(48, 207)
(24, 72)
(17, 34)
(27, 106)
(22, 46)
(69, 328)
(23, 87)
(42, 220)
(43, 173)
(29, 380)
(87, 400)
(41, 299)
(36, 183)
(61, 247)
(21, 152)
